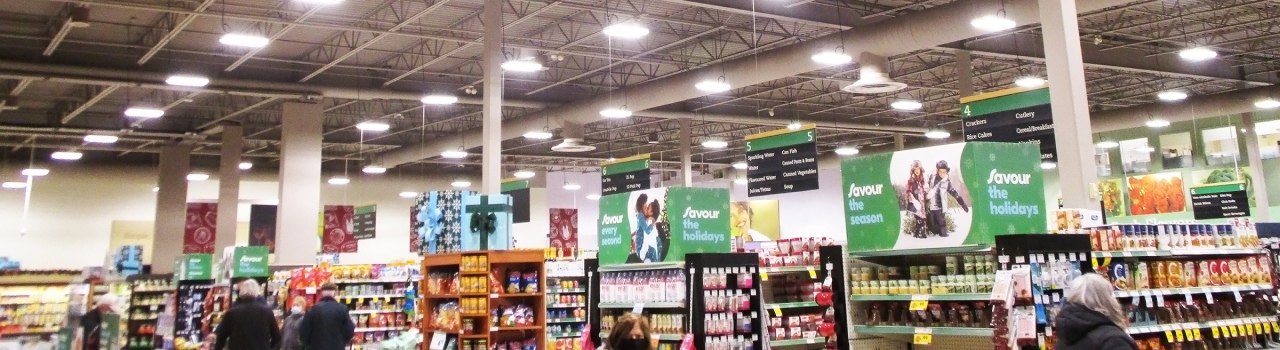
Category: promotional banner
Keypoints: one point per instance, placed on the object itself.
(1156, 194)
(564, 230)
(625, 175)
(262, 226)
(755, 221)
(519, 192)
(782, 161)
(201, 228)
(193, 267)
(337, 236)
(133, 233)
(663, 224)
(245, 262)
(365, 223)
(413, 228)
(1018, 115)
(943, 196)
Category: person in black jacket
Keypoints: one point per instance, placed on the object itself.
(1091, 318)
(248, 325)
(91, 322)
(327, 325)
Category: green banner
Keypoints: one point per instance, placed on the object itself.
(508, 186)
(249, 262)
(663, 224)
(626, 166)
(1004, 103)
(1218, 188)
(781, 138)
(943, 196)
(193, 267)
(109, 336)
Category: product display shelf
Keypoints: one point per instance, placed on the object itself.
(1260, 321)
(566, 285)
(1192, 290)
(957, 331)
(800, 310)
(1175, 252)
(932, 297)
(194, 304)
(478, 329)
(146, 303)
(33, 307)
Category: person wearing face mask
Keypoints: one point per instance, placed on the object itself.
(289, 332)
(631, 332)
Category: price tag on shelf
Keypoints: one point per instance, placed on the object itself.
(777, 311)
(1208, 297)
(1159, 300)
(812, 273)
(1178, 335)
(311, 290)
(1151, 302)
(1239, 298)
(360, 301)
(493, 296)
(437, 340)
(1019, 259)
(386, 299)
(1186, 293)
(764, 275)
(1196, 333)
(1275, 327)
(1057, 298)
(919, 302)
(831, 266)
(638, 309)
(1004, 259)
(1234, 330)
(1216, 332)
(922, 339)
(1168, 335)
(809, 340)
(1257, 328)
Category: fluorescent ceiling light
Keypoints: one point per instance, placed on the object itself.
(244, 40)
(832, 58)
(740, 165)
(906, 105)
(937, 134)
(1267, 104)
(626, 30)
(1029, 81)
(1172, 95)
(439, 99)
(740, 181)
(67, 155)
(187, 80)
(712, 86)
(846, 150)
(538, 135)
(101, 138)
(373, 126)
(1157, 123)
(1107, 144)
(522, 65)
(615, 112)
(1048, 165)
(794, 126)
(339, 180)
(715, 142)
(454, 154)
(197, 177)
(246, 165)
(14, 185)
(572, 186)
(1196, 54)
(593, 196)
(35, 172)
(155, 189)
(374, 169)
(461, 183)
(525, 174)
(143, 112)
(611, 159)
(408, 194)
(993, 23)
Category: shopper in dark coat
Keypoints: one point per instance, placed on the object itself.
(248, 325)
(1091, 318)
(328, 325)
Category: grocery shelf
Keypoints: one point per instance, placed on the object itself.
(369, 312)
(958, 331)
(791, 269)
(371, 281)
(562, 306)
(794, 305)
(440, 296)
(643, 266)
(793, 342)
(513, 295)
(378, 329)
(658, 336)
(924, 251)
(1176, 252)
(371, 296)
(567, 335)
(1201, 325)
(566, 320)
(518, 328)
(1191, 290)
(565, 291)
(645, 305)
(141, 291)
(909, 297)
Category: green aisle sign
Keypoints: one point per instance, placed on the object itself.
(943, 196)
(625, 175)
(512, 185)
(663, 224)
(249, 262)
(782, 161)
(193, 267)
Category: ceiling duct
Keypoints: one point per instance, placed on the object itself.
(572, 139)
(873, 76)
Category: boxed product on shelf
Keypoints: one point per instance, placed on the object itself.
(660, 286)
(968, 314)
(1134, 274)
(967, 274)
(794, 252)
(1148, 237)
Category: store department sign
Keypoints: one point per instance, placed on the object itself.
(365, 223)
(625, 175)
(663, 224)
(943, 196)
(1018, 115)
(782, 161)
(1219, 201)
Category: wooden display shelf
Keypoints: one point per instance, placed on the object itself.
(524, 260)
(439, 260)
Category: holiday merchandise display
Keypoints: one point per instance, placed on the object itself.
(484, 300)
(800, 299)
(960, 274)
(794, 252)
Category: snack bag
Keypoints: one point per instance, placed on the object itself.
(513, 282)
(531, 282)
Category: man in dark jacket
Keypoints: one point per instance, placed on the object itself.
(248, 325)
(1080, 328)
(327, 326)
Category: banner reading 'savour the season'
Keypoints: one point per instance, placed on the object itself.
(943, 196)
(663, 224)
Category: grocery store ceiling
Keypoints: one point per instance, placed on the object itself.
(371, 57)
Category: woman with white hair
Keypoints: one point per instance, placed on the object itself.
(91, 322)
(1091, 318)
(248, 325)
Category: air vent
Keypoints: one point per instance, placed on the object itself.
(873, 76)
(572, 140)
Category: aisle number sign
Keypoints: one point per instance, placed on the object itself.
(1220, 200)
(782, 161)
(625, 175)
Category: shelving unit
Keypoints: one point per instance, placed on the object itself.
(475, 329)
(790, 298)
(33, 306)
(566, 287)
(148, 298)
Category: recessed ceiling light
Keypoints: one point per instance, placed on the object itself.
(538, 135)
(712, 86)
(1267, 104)
(1157, 123)
(740, 165)
(1029, 81)
(1107, 144)
(35, 172)
(246, 165)
(461, 183)
(244, 40)
(832, 58)
(937, 133)
(373, 126)
(187, 80)
(572, 186)
(143, 112)
(1197, 54)
(101, 138)
(1048, 165)
(14, 185)
(525, 174)
(374, 169)
(993, 23)
(846, 150)
(1172, 95)
(528, 64)
(339, 180)
(408, 194)
(197, 177)
(906, 105)
(67, 155)
(715, 143)
(593, 196)
(615, 112)
(626, 30)
(439, 99)
(454, 154)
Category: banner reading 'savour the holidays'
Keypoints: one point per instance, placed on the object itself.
(663, 224)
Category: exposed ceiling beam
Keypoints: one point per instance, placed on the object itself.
(97, 97)
(237, 113)
(1227, 103)
(13, 94)
(375, 39)
(173, 32)
(274, 36)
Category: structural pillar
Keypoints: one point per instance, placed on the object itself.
(229, 186)
(301, 130)
(491, 104)
(171, 206)
(899, 142)
(1070, 103)
(1262, 212)
(686, 151)
(964, 73)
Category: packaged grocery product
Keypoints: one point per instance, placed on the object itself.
(1120, 276)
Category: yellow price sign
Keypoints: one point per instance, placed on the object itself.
(764, 275)
(1234, 331)
(1274, 326)
(1179, 335)
(922, 339)
(812, 273)
(918, 305)
(777, 311)
(1196, 333)
(1168, 335)
(1266, 327)
(1216, 332)
(1257, 328)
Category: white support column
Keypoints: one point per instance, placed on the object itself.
(296, 226)
(1254, 152)
(899, 142)
(1070, 102)
(171, 206)
(686, 152)
(491, 109)
(964, 73)
(229, 186)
